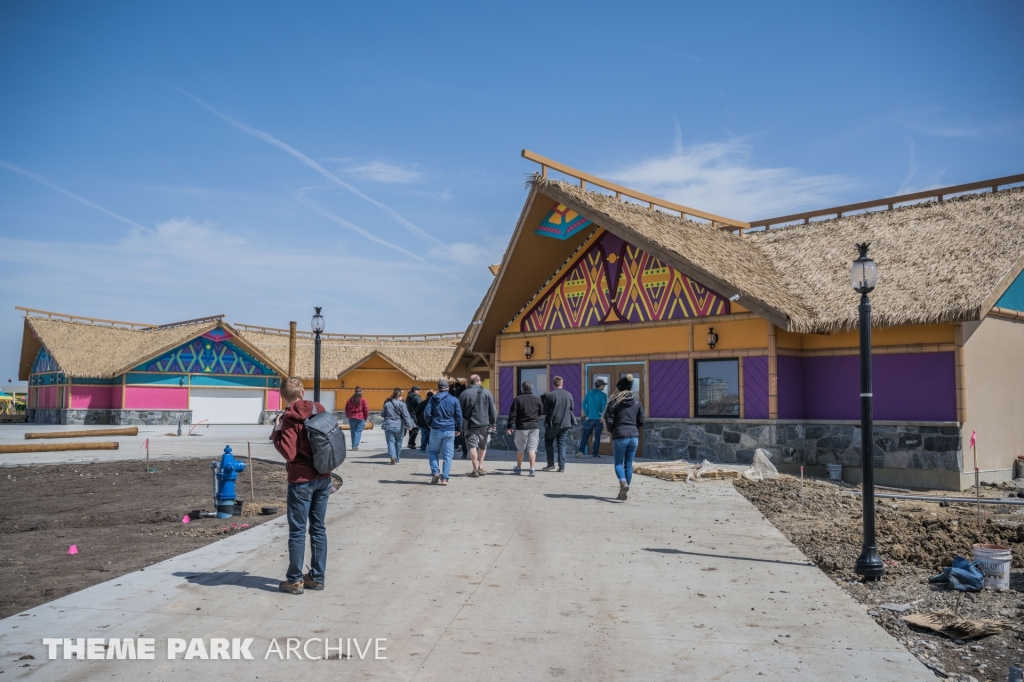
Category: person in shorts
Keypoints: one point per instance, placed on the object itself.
(479, 419)
(524, 419)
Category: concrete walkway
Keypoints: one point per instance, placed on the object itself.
(498, 578)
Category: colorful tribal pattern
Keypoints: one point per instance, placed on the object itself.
(562, 223)
(44, 362)
(218, 334)
(203, 356)
(646, 290)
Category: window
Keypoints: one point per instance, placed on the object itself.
(717, 383)
(538, 376)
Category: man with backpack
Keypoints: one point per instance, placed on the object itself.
(309, 485)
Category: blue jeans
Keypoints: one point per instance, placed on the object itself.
(394, 438)
(356, 428)
(625, 451)
(424, 438)
(442, 443)
(307, 501)
(595, 426)
(556, 440)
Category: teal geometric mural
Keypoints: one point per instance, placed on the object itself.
(206, 356)
(44, 363)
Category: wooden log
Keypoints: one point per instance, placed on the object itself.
(57, 447)
(126, 431)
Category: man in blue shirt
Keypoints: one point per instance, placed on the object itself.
(593, 412)
(443, 416)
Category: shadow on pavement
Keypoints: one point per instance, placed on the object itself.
(405, 482)
(662, 550)
(583, 497)
(235, 578)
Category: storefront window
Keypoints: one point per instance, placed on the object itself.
(538, 376)
(718, 388)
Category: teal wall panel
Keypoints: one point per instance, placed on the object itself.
(210, 380)
(1013, 298)
(99, 382)
(158, 379)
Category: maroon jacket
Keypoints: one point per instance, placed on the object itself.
(289, 437)
(360, 411)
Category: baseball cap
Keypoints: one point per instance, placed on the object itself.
(442, 384)
(600, 382)
(414, 388)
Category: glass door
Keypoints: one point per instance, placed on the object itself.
(612, 373)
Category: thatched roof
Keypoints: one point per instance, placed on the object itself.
(422, 360)
(938, 261)
(97, 351)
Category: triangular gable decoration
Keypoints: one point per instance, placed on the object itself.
(211, 353)
(646, 290)
(44, 362)
(561, 223)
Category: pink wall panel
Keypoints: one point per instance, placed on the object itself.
(155, 398)
(48, 397)
(115, 396)
(273, 400)
(92, 397)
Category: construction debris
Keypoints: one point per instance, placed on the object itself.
(948, 623)
(682, 470)
(57, 447)
(91, 433)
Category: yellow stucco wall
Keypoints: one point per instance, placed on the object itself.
(994, 373)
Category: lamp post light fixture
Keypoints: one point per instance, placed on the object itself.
(318, 328)
(712, 338)
(863, 278)
(528, 350)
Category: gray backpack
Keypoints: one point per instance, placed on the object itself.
(326, 440)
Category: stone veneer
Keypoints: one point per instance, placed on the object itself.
(898, 445)
(109, 417)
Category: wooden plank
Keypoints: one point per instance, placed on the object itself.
(126, 431)
(57, 447)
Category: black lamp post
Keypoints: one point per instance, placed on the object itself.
(318, 328)
(863, 278)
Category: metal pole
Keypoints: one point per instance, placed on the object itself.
(316, 370)
(869, 564)
(252, 484)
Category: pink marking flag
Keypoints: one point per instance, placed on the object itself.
(974, 435)
(245, 525)
(73, 549)
(186, 519)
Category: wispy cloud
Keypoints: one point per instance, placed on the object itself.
(674, 53)
(57, 188)
(721, 177)
(469, 255)
(386, 173)
(270, 139)
(911, 183)
(303, 196)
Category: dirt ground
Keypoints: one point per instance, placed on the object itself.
(121, 518)
(915, 539)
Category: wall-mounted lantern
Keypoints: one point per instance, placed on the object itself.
(712, 337)
(528, 350)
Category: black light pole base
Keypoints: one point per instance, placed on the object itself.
(869, 564)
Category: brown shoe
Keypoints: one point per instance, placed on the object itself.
(310, 584)
(473, 474)
(481, 472)
(291, 588)
(392, 460)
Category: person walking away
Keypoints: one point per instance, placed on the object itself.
(396, 422)
(357, 412)
(624, 418)
(308, 491)
(456, 389)
(421, 420)
(558, 422)
(480, 417)
(443, 415)
(593, 414)
(524, 420)
(412, 401)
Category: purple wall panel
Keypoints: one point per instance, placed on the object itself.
(506, 388)
(791, 389)
(572, 381)
(670, 388)
(755, 387)
(907, 387)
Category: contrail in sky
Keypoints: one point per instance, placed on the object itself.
(54, 186)
(301, 196)
(270, 139)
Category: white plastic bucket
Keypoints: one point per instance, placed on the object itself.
(994, 561)
(835, 471)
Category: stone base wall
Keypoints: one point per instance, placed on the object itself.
(110, 417)
(898, 445)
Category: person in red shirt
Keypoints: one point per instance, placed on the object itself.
(308, 491)
(357, 412)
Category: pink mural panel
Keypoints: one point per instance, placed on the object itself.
(273, 400)
(92, 397)
(47, 397)
(115, 396)
(155, 398)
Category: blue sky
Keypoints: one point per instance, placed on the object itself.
(164, 161)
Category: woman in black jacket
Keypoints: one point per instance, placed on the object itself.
(624, 417)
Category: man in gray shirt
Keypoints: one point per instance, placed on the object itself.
(558, 422)
(480, 418)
